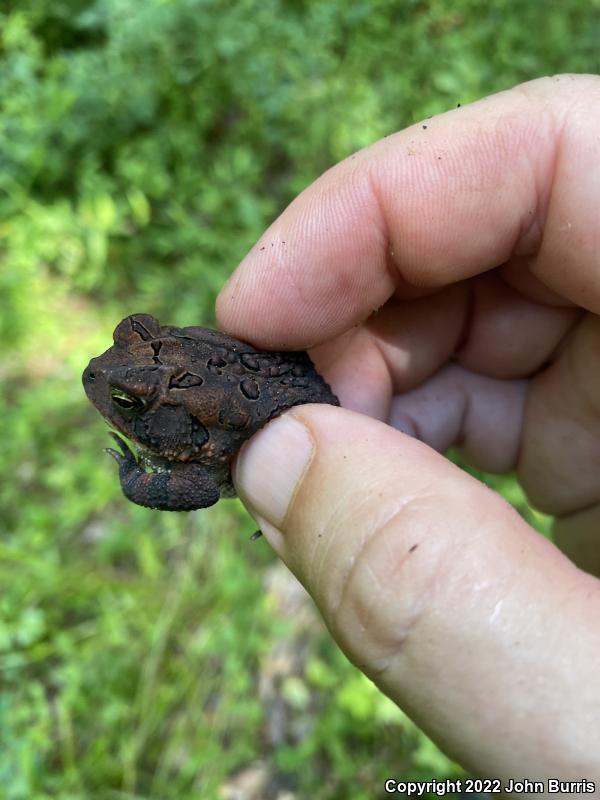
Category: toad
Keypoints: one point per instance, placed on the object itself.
(187, 399)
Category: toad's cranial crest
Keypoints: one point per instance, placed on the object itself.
(188, 398)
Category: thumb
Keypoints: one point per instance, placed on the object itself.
(436, 588)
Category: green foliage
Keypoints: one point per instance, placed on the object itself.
(146, 145)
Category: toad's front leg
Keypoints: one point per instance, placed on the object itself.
(183, 487)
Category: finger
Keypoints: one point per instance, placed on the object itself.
(480, 417)
(517, 173)
(560, 452)
(402, 345)
(436, 588)
(374, 374)
(489, 328)
(508, 335)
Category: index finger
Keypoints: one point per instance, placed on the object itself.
(515, 174)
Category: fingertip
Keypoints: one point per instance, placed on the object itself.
(270, 467)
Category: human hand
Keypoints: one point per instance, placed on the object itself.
(448, 279)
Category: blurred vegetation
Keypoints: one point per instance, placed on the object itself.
(145, 146)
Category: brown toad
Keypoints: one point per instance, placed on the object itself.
(188, 398)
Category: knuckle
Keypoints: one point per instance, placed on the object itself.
(391, 586)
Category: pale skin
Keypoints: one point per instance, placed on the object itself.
(447, 279)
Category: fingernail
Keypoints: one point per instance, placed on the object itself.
(271, 465)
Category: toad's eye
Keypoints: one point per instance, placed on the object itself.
(127, 404)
